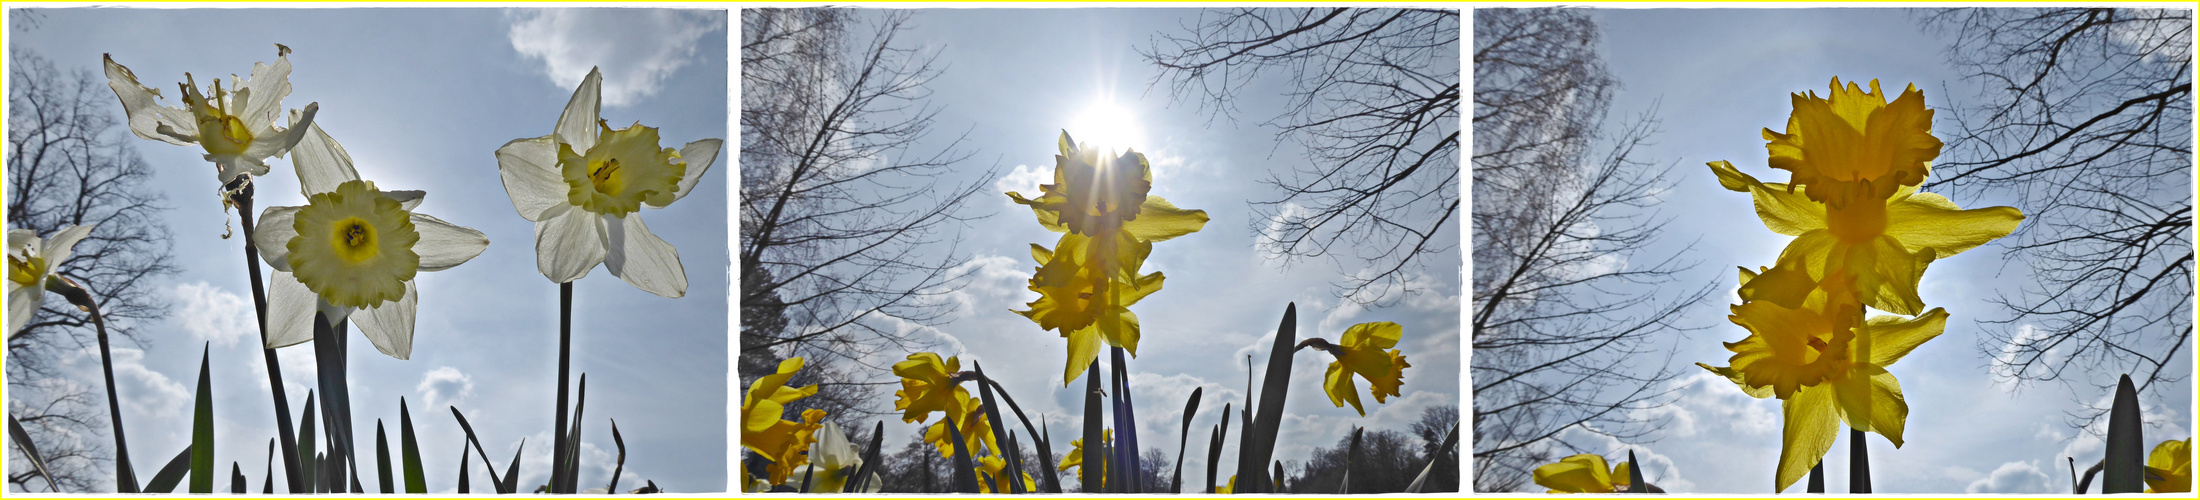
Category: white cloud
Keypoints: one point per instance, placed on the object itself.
(1025, 180)
(637, 49)
(2010, 364)
(1657, 468)
(445, 386)
(1266, 246)
(211, 314)
(2012, 477)
(149, 392)
(1710, 399)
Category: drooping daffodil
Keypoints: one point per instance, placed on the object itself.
(2169, 467)
(1364, 350)
(34, 262)
(352, 251)
(236, 127)
(764, 431)
(1076, 455)
(833, 461)
(1584, 473)
(970, 421)
(1079, 300)
(928, 385)
(582, 186)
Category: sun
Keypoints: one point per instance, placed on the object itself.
(1109, 128)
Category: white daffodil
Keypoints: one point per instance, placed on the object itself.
(237, 127)
(582, 184)
(31, 262)
(351, 252)
(835, 461)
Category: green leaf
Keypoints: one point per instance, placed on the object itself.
(571, 475)
(202, 428)
(416, 481)
(23, 440)
(1259, 443)
(965, 475)
(170, 475)
(268, 486)
(464, 462)
(511, 473)
(1000, 432)
(1184, 439)
(1351, 456)
(613, 489)
(1635, 484)
(1089, 477)
(1215, 438)
(307, 468)
(494, 481)
(2125, 468)
(236, 479)
(1451, 438)
(382, 458)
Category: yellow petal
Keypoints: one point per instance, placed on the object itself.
(2169, 467)
(1584, 473)
(1157, 220)
(1929, 221)
(1894, 336)
(1377, 335)
(760, 416)
(1084, 347)
(1783, 210)
(1338, 383)
(1808, 431)
(1759, 392)
(1871, 401)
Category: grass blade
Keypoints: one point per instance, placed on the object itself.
(511, 473)
(863, 474)
(494, 481)
(23, 440)
(382, 458)
(236, 478)
(1089, 477)
(965, 475)
(1259, 443)
(202, 428)
(1451, 438)
(1000, 429)
(170, 475)
(613, 489)
(1184, 439)
(308, 469)
(465, 461)
(2125, 467)
(416, 480)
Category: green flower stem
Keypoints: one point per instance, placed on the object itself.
(243, 200)
(330, 336)
(1817, 479)
(565, 357)
(1860, 466)
(125, 477)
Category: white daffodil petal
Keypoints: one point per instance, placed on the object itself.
(290, 308)
(444, 245)
(277, 225)
(230, 167)
(407, 199)
(62, 244)
(149, 119)
(333, 312)
(644, 260)
(531, 176)
(390, 325)
(699, 156)
(267, 88)
(577, 125)
(23, 302)
(19, 238)
(569, 243)
(322, 164)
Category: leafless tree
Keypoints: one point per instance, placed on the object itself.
(1373, 98)
(1567, 322)
(842, 216)
(1435, 422)
(67, 166)
(2084, 117)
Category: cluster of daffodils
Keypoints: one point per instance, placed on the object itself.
(802, 451)
(1863, 238)
(932, 385)
(1584, 473)
(1089, 279)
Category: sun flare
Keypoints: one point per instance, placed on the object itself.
(1108, 127)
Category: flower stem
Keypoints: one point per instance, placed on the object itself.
(243, 201)
(1860, 466)
(125, 476)
(565, 356)
(1817, 479)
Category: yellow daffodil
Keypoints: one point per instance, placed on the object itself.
(2169, 467)
(833, 461)
(1583, 473)
(352, 251)
(236, 128)
(1853, 144)
(970, 421)
(994, 467)
(1362, 351)
(1076, 456)
(32, 262)
(762, 428)
(927, 385)
(1226, 488)
(582, 184)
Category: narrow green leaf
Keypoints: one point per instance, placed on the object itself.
(30, 450)
(268, 487)
(236, 479)
(416, 481)
(1000, 429)
(1351, 457)
(2125, 468)
(308, 469)
(965, 475)
(1049, 481)
(1259, 443)
(511, 473)
(1088, 476)
(465, 456)
(571, 476)
(613, 489)
(170, 475)
(202, 428)
(1451, 438)
(382, 458)
(1184, 439)
(1278, 486)
(494, 481)
(1635, 484)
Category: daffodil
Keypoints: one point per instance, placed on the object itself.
(582, 185)
(1583, 473)
(352, 252)
(928, 386)
(32, 262)
(969, 421)
(2169, 467)
(1076, 456)
(236, 127)
(1362, 351)
(1088, 281)
(1853, 144)
(994, 467)
(833, 461)
(762, 428)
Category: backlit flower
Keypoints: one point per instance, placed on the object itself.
(236, 126)
(31, 262)
(1076, 456)
(762, 428)
(1853, 144)
(927, 385)
(1362, 351)
(2169, 467)
(582, 185)
(1583, 473)
(833, 461)
(970, 421)
(351, 252)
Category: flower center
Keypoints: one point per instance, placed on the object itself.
(605, 176)
(219, 131)
(28, 272)
(1859, 221)
(353, 240)
(354, 246)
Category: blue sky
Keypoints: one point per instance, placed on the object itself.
(1222, 300)
(422, 98)
(1718, 76)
